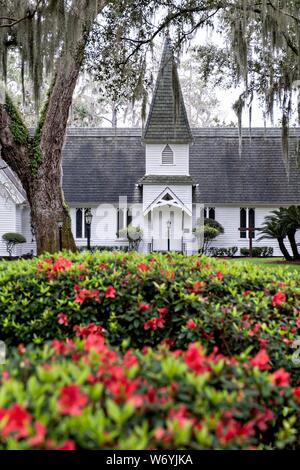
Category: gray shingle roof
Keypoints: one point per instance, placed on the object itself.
(100, 165)
(167, 120)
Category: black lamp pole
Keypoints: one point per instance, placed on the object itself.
(169, 226)
(88, 222)
(60, 226)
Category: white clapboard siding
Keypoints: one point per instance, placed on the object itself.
(154, 164)
(30, 245)
(7, 220)
(229, 217)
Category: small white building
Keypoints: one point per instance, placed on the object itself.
(162, 177)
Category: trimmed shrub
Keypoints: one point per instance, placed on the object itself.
(258, 251)
(221, 252)
(148, 299)
(83, 394)
(12, 239)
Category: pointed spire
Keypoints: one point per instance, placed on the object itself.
(167, 120)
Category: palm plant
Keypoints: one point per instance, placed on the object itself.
(291, 218)
(273, 228)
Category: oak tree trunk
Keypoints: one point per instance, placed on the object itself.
(40, 173)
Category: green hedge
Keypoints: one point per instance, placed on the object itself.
(85, 395)
(258, 251)
(148, 299)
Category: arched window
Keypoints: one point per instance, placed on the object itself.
(78, 223)
(212, 213)
(81, 229)
(252, 222)
(167, 156)
(243, 222)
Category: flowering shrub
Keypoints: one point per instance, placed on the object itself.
(146, 300)
(83, 394)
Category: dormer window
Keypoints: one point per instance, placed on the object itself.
(167, 156)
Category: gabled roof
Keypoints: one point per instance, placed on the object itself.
(100, 165)
(12, 183)
(167, 120)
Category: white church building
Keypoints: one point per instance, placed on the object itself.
(162, 177)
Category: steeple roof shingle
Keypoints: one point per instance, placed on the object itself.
(167, 120)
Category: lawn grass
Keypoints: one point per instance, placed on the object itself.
(268, 263)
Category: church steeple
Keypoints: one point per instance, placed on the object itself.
(167, 120)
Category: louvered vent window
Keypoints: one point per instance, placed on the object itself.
(167, 156)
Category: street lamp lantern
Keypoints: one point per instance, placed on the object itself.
(60, 224)
(88, 222)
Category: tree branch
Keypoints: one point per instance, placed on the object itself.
(13, 21)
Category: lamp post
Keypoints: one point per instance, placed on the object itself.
(169, 223)
(88, 222)
(60, 226)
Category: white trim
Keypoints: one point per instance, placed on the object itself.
(160, 202)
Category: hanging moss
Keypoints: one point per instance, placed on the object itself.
(16, 124)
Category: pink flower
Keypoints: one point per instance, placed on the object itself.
(71, 400)
(278, 298)
(191, 325)
(298, 323)
(62, 319)
(280, 378)
(110, 292)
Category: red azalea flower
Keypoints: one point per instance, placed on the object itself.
(144, 307)
(247, 293)
(67, 445)
(130, 359)
(261, 360)
(154, 323)
(280, 378)
(163, 310)
(191, 324)
(143, 267)
(5, 375)
(16, 420)
(278, 298)
(71, 400)
(255, 329)
(110, 292)
(84, 294)
(196, 287)
(219, 275)
(39, 436)
(262, 343)
(168, 342)
(195, 359)
(296, 393)
(21, 349)
(62, 319)
(91, 329)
